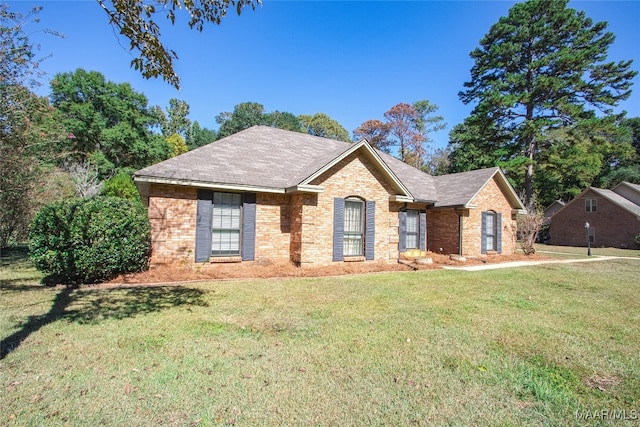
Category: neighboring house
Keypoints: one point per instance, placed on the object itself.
(613, 217)
(551, 210)
(270, 194)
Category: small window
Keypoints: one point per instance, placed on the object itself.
(592, 234)
(590, 205)
(412, 240)
(491, 231)
(353, 227)
(227, 209)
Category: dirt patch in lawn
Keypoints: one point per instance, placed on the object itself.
(184, 272)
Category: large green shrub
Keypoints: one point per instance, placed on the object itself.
(121, 185)
(90, 240)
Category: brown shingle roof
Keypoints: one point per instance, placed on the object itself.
(458, 189)
(273, 159)
(618, 200)
(260, 156)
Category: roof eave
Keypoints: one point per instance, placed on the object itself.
(203, 184)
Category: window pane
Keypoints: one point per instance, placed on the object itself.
(353, 217)
(412, 221)
(490, 231)
(225, 237)
(353, 228)
(352, 245)
(412, 241)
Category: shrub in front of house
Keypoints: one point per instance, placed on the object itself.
(90, 240)
(121, 185)
(637, 239)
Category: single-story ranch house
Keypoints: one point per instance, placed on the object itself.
(613, 217)
(267, 194)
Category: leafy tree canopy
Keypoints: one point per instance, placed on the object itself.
(324, 126)
(29, 127)
(106, 118)
(405, 131)
(542, 67)
(244, 116)
(198, 136)
(175, 119)
(137, 20)
(249, 114)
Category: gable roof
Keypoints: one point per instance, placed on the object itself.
(616, 199)
(553, 208)
(267, 159)
(258, 158)
(628, 191)
(459, 189)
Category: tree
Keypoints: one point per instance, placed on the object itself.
(137, 21)
(175, 120)
(29, 127)
(121, 185)
(437, 161)
(376, 133)
(324, 126)
(283, 120)
(85, 177)
(108, 122)
(633, 124)
(249, 114)
(405, 131)
(198, 136)
(177, 145)
(540, 68)
(244, 116)
(529, 227)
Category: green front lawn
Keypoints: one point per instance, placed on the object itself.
(527, 346)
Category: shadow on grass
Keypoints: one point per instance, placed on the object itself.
(95, 305)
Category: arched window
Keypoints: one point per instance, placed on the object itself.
(353, 227)
(491, 232)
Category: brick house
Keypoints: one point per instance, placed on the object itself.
(271, 194)
(613, 217)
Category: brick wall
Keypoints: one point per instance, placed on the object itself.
(443, 230)
(172, 213)
(295, 227)
(443, 224)
(273, 227)
(299, 227)
(353, 176)
(613, 226)
(490, 198)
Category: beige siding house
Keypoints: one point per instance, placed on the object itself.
(267, 194)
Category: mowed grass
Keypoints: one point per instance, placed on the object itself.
(573, 251)
(526, 346)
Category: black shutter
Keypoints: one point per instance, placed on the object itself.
(203, 225)
(423, 230)
(338, 229)
(248, 248)
(499, 232)
(370, 230)
(483, 236)
(402, 245)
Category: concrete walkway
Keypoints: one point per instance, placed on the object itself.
(528, 263)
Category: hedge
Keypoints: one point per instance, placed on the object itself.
(90, 240)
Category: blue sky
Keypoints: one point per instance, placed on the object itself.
(350, 60)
